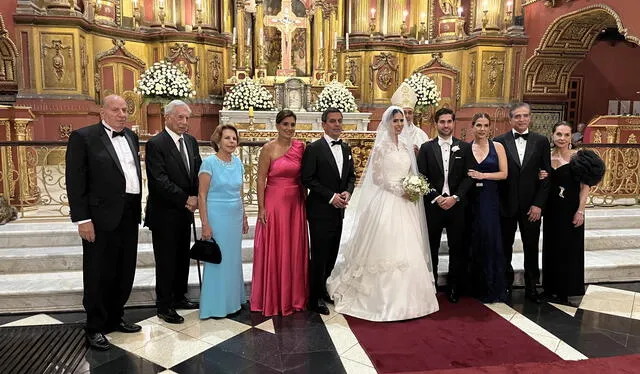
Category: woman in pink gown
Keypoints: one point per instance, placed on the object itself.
(281, 247)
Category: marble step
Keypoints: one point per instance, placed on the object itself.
(56, 291)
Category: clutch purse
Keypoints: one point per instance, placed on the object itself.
(205, 250)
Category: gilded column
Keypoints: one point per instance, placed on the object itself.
(328, 40)
(494, 14)
(227, 16)
(360, 10)
(242, 35)
(258, 32)
(419, 13)
(341, 16)
(309, 63)
(396, 14)
(318, 45)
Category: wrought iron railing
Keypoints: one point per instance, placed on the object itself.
(32, 175)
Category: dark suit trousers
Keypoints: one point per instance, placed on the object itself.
(453, 220)
(171, 243)
(530, 233)
(108, 269)
(325, 241)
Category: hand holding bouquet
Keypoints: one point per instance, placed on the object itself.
(415, 186)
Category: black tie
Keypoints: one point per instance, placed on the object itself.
(183, 154)
(113, 132)
(523, 136)
(334, 142)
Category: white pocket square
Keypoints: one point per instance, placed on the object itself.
(457, 158)
(349, 157)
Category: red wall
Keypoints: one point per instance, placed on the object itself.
(538, 17)
(610, 72)
(7, 9)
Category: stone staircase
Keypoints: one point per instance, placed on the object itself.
(41, 262)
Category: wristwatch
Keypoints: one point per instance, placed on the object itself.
(456, 198)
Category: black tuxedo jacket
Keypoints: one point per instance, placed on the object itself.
(95, 180)
(169, 182)
(320, 175)
(430, 165)
(523, 188)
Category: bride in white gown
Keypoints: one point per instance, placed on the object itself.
(383, 270)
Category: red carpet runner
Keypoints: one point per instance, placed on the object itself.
(466, 334)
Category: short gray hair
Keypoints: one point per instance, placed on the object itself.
(518, 105)
(169, 108)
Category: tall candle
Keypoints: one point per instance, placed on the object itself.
(249, 37)
(373, 12)
(161, 3)
(459, 11)
(509, 6)
(406, 13)
(321, 40)
(262, 37)
(234, 35)
(346, 38)
(198, 4)
(423, 17)
(335, 40)
(485, 5)
(135, 4)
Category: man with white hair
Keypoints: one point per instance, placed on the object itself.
(173, 161)
(405, 97)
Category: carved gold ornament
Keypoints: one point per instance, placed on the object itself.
(386, 67)
(57, 61)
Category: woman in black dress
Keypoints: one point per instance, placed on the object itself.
(571, 175)
(487, 256)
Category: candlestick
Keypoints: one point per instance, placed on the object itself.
(485, 6)
(509, 6)
(161, 13)
(459, 11)
(423, 17)
(137, 16)
(373, 12)
(347, 71)
(405, 14)
(198, 4)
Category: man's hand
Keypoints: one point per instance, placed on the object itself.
(447, 202)
(416, 149)
(87, 231)
(578, 218)
(346, 196)
(338, 201)
(192, 203)
(534, 213)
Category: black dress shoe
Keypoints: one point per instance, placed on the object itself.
(97, 341)
(128, 327)
(320, 307)
(533, 295)
(185, 304)
(170, 316)
(453, 296)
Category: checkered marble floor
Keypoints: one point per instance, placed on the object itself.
(606, 322)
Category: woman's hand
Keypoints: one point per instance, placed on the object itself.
(207, 233)
(542, 174)
(475, 174)
(245, 225)
(262, 216)
(578, 218)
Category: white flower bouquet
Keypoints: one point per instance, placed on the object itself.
(415, 186)
(426, 90)
(164, 80)
(247, 94)
(335, 95)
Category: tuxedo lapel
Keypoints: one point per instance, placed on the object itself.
(452, 157)
(437, 152)
(134, 152)
(109, 146)
(511, 147)
(345, 161)
(324, 146)
(173, 151)
(529, 149)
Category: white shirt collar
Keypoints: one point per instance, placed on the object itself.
(173, 135)
(514, 132)
(442, 141)
(329, 139)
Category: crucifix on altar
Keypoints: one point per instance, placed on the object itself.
(286, 22)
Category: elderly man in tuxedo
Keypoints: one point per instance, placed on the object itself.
(329, 174)
(103, 185)
(523, 195)
(173, 161)
(445, 161)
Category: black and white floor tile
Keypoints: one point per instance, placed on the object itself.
(606, 322)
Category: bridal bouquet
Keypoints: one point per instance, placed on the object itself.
(415, 186)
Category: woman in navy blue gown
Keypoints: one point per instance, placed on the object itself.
(487, 257)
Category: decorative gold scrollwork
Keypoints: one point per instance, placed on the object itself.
(57, 60)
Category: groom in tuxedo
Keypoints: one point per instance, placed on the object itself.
(523, 195)
(328, 172)
(444, 161)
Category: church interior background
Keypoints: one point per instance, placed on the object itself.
(572, 60)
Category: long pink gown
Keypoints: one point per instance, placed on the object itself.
(281, 246)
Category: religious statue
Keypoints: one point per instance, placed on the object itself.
(449, 7)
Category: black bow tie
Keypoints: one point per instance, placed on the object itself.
(114, 133)
(518, 135)
(334, 142)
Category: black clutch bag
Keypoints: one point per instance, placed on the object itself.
(205, 250)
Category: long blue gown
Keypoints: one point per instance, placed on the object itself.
(222, 285)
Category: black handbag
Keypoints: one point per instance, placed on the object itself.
(205, 250)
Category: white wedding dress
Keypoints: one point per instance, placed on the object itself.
(382, 272)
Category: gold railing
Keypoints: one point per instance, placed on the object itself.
(32, 175)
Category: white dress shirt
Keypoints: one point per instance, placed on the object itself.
(521, 144)
(127, 161)
(176, 140)
(445, 148)
(336, 150)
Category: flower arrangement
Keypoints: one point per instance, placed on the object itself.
(164, 80)
(335, 95)
(415, 186)
(426, 90)
(248, 94)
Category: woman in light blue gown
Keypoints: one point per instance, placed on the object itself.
(223, 218)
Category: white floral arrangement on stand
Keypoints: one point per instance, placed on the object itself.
(165, 81)
(415, 186)
(248, 94)
(335, 95)
(425, 88)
